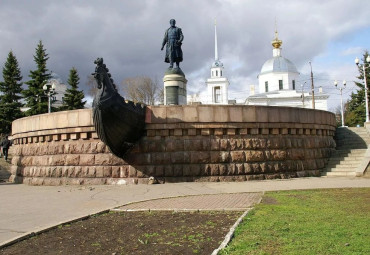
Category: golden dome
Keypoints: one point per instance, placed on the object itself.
(276, 43)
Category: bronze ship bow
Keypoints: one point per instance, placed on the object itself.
(118, 123)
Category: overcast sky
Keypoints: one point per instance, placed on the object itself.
(129, 34)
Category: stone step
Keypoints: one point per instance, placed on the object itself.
(352, 143)
(358, 130)
(346, 136)
(350, 152)
(336, 174)
(343, 161)
(351, 130)
(354, 134)
(345, 156)
(341, 168)
(358, 137)
(362, 133)
(344, 165)
(351, 140)
(363, 136)
(350, 133)
(350, 147)
(355, 138)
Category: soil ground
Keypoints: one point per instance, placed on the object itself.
(156, 232)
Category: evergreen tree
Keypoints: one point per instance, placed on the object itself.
(10, 97)
(34, 95)
(73, 99)
(355, 108)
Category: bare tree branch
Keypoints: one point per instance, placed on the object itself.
(141, 89)
(92, 85)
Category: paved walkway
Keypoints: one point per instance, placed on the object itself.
(24, 209)
(215, 202)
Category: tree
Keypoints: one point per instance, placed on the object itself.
(356, 112)
(141, 89)
(11, 89)
(34, 95)
(338, 115)
(355, 109)
(73, 99)
(92, 85)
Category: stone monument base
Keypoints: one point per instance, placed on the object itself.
(181, 143)
(174, 87)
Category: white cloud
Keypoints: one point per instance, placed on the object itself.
(353, 51)
(128, 34)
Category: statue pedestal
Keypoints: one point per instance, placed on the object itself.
(174, 87)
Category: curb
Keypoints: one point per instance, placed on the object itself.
(230, 235)
(180, 210)
(38, 232)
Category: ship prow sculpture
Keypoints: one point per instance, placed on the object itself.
(118, 123)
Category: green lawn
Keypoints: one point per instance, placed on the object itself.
(331, 221)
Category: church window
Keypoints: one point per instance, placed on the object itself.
(293, 84)
(216, 73)
(266, 86)
(220, 73)
(280, 84)
(217, 95)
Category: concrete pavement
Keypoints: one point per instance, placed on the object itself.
(25, 209)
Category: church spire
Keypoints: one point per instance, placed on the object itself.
(276, 43)
(216, 49)
(217, 62)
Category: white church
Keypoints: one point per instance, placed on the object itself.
(278, 84)
(218, 84)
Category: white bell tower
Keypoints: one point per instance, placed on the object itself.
(217, 84)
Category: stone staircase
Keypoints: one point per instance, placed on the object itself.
(352, 145)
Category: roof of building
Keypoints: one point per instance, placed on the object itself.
(278, 64)
(286, 93)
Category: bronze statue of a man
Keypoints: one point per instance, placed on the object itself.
(173, 37)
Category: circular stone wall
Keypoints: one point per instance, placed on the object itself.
(182, 143)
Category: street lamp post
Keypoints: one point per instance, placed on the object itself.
(302, 86)
(357, 61)
(312, 88)
(49, 90)
(341, 98)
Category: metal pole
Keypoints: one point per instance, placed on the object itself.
(49, 108)
(312, 88)
(366, 95)
(341, 106)
(302, 98)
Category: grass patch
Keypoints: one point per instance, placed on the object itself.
(331, 221)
